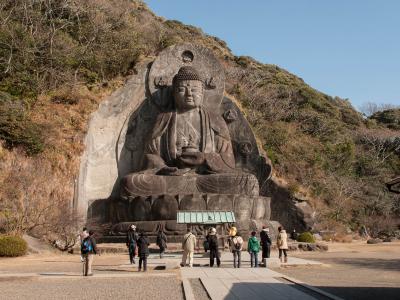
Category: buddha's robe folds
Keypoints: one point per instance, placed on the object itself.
(217, 174)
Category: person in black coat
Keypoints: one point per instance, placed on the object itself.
(143, 251)
(131, 242)
(161, 242)
(265, 244)
(213, 245)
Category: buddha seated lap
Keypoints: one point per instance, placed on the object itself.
(144, 184)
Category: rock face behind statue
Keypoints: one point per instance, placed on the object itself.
(188, 160)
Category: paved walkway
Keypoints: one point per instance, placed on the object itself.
(245, 283)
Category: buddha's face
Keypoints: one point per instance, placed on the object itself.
(188, 94)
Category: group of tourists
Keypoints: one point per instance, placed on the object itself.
(235, 241)
(138, 245)
(254, 245)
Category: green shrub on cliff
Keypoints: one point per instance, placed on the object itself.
(306, 237)
(11, 246)
(65, 41)
(16, 128)
(390, 118)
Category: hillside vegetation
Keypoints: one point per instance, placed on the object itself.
(60, 58)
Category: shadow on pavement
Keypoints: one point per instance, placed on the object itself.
(115, 270)
(363, 293)
(257, 290)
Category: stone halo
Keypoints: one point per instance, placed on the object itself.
(169, 61)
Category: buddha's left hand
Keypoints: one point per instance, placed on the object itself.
(192, 158)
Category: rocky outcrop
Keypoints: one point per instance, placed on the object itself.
(99, 164)
(291, 210)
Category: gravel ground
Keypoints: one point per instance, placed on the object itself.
(69, 263)
(146, 287)
(353, 271)
(114, 278)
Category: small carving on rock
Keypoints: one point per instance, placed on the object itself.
(187, 56)
(160, 82)
(230, 115)
(210, 83)
(245, 148)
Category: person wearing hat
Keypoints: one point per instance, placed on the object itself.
(235, 244)
(265, 244)
(188, 244)
(131, 242)
(213, 244)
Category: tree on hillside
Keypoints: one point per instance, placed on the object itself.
(370, 108)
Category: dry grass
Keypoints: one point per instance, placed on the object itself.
(36, 192)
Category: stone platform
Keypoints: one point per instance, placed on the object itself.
(150, 213)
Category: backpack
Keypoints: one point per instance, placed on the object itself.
(86, 246)
(236, 245)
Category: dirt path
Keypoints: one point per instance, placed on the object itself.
(353, 271)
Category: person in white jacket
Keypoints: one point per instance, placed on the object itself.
(282, 243)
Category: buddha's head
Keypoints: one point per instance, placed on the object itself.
(188, 89)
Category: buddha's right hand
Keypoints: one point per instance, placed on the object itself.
(167, 171)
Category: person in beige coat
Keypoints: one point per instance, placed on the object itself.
(188, 244)
(282, 244)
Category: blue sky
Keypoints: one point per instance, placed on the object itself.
(344, 48)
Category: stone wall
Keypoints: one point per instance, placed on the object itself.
(107, 127)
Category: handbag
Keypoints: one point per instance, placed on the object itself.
(206, 245)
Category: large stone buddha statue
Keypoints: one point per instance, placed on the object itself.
(189, 149)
